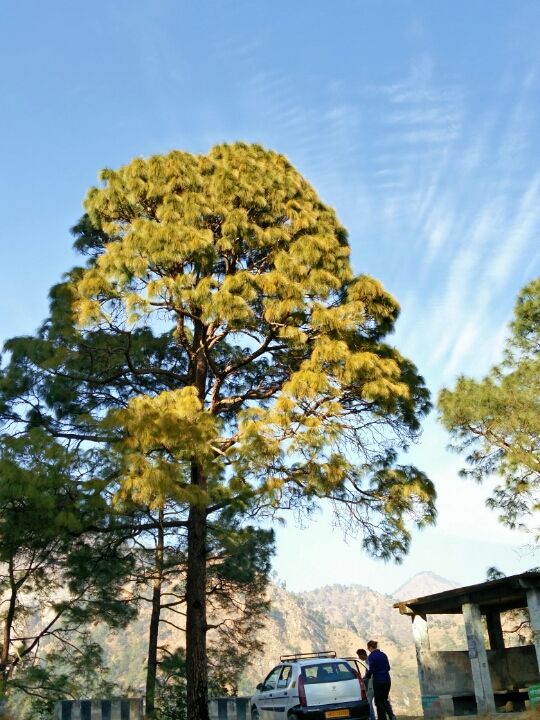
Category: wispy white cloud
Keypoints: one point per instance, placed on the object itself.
(424, 135)
(424, 116)
(521, 233)
(236, 45)
(479, 273)
(467, 297)
(438, 228)
(474, 253)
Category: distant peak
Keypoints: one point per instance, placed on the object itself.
(424, 583)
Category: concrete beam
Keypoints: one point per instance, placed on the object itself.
(485, 702)
(533, 603)
(494, 628)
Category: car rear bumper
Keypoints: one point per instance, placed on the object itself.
(358, 710)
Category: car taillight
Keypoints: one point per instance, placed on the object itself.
(301, 691)
(363, 694)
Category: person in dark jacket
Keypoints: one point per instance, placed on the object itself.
(379, 673)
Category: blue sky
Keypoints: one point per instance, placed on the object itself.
(418, 121)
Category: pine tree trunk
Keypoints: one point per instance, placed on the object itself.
(196, 665)
(153, 635)
(6, 635)
(196, 624)
(151, 671)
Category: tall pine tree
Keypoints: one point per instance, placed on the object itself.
(284, 388)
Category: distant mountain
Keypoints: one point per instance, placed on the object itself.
(423, 583)
(341, 618)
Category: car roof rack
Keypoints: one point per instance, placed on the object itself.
(302, 656)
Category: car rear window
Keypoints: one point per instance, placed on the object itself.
(327, 672)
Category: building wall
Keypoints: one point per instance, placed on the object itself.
(513, 667)
(449, 672)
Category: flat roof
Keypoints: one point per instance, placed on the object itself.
(508, 593)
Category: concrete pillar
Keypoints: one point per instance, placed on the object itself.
(137, 709)
(420, 632)
(232, 712)
(485, 702)
(533, 603)
(116, 709)
(421, 642)
(495, 633)
(213, 709)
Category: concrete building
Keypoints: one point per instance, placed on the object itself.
(488, 675)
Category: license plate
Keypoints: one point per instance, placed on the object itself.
(336, 713)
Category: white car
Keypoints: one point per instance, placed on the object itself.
(318, 686)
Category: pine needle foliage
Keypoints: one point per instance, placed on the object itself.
(496, 421)
(237, 257)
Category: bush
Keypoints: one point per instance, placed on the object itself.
(171, 703)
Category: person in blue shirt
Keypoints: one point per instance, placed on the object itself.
(379, 673)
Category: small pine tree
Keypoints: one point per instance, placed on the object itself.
(496, 421)
(55, 574)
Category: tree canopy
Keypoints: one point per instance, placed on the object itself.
(278, 356)
(496, 420)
